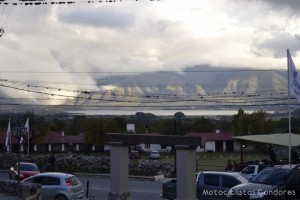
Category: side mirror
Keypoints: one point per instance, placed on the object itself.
(293, 185)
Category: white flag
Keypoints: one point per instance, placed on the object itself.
(294, 81)
(27, 131)
(8, 131)
(27, 126)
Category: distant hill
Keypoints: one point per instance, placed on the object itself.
(195, 87)
(199, 79)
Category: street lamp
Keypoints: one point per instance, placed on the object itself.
(19, 132)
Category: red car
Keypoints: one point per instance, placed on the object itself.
(134, 155)
(26, 170)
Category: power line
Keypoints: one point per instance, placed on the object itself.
(137, 72)
(60, 2)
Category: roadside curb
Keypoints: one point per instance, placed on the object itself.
(148, 178)
(158, 177)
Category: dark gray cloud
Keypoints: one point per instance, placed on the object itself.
(277, 45)
(281, 4)
(98, 17)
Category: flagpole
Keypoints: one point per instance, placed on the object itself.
(10, 148)
(289, 93)
(27, 130)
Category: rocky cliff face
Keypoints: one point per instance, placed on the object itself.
(202, 85)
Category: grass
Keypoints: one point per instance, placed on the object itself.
(217, 161)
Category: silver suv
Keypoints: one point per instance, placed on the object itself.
(273, 183)
(209, 185)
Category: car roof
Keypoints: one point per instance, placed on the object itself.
(218, 172)
(287, 166)
(55, 174)
(27, 163)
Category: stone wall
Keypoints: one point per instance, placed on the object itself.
(86, 163)
(24, 191)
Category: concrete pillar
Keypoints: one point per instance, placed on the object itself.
(62, 147)
(186, 172)
(77, 147)
(49, 147)
(119, 189)
(35, 148)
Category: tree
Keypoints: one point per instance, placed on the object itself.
(166, 127)
(202, 125)
(252, 124)
(94, 130)
(179, 116)
(77, 125)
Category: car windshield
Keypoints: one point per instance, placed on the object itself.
(272, 176)
(28, 167)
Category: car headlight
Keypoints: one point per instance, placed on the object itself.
(257, 194)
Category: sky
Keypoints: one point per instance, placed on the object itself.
(78, 43)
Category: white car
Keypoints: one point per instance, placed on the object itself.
(154, 155)
(58, 186)
(250, 171)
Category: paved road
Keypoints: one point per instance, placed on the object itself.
(139, 188)
(99, 187)
(7, 197)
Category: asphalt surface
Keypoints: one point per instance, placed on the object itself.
(4, 196)
(7, 197)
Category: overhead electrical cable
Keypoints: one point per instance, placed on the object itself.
(59, 2)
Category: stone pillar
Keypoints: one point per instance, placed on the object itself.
(119, 189)
(186, 172)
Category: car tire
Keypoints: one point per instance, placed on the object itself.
(61, 197)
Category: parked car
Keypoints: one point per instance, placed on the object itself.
(26, 170)
(209, 185)
(154, 155)
(58, 186)
(251, 170)
(134, 155)
(273, 183)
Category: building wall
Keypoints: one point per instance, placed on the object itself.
(210, 146)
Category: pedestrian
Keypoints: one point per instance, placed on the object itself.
(229, 166)
(52, 162)
(272, 156)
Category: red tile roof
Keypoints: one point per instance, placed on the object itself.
(61, 138)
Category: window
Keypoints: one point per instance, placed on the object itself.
(229, 181)
(35, 180)
(147, 146)
(249, 170)
(50, 181)
(211, 180)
